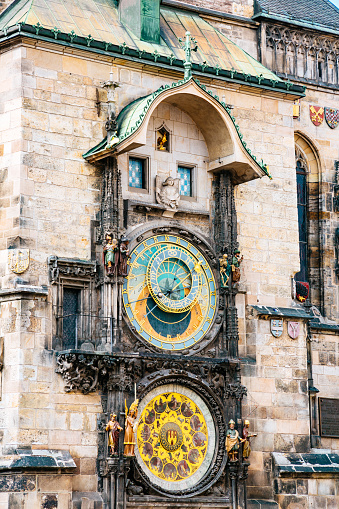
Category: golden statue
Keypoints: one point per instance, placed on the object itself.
(131, 426)
(232, 441)
(225, 270)
(161, 141)
(246, 435)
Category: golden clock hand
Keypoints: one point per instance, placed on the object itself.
(181, 281)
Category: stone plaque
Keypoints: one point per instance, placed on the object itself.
(329, 422)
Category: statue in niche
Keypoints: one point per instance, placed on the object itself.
(113, 429)
(122, 256)
(110, 252)
(246, 435)
(167, 192)
(232, 441)
(225, 271)
(236, 261)
(131, 426)
(163, 139)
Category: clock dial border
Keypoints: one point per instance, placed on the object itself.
(156, 385)
(194, 479)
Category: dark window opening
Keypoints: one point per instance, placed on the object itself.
(302, 221)
(71, 307)
(320, 70)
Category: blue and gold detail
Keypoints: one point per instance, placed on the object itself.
(170, 293)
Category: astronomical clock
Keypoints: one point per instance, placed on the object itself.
(170, 293)
(171, 307)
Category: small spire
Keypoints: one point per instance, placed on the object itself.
(187, 46)
(111, 123)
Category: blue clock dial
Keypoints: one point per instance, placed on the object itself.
(169, 294)
(173, 278)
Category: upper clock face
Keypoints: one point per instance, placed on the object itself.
(170, 292)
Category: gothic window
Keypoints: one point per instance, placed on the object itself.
(163, 139)
(186, 180)
(71, 306)
(138, 173)
(76, 323)
(301, 170)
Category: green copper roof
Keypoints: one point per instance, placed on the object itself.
(98, 20)
(132, 116)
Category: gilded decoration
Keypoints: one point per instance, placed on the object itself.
(18, 260)
(172, 437)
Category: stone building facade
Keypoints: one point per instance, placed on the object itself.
(98, 112)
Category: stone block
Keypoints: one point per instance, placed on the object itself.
(84, 483)
(17, 483)
(326, 487)
(49, 483)
(49, 501)
(60, 124)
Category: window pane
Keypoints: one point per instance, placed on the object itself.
(185, 175)
(136, 172)
(70, 316)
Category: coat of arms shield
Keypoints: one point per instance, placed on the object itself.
(18, 260)
(316, 115)
(277, 328)
(332, 117)
(293, 329)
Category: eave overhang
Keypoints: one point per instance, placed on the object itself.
(286, 89)
(225, 143)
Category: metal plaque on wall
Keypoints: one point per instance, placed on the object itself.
(328, 414)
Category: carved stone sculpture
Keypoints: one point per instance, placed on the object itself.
(236, 261)
(110, 250)
(232, 441)
(113, 429)
(225, 270)
(167, 192)
(246, 435)
(131, 425)
(122, 257)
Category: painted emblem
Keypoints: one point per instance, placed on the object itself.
(317, 115)
(332, 117)
(171, 436)
(293, 329)
(18, 260)
(277, 328)
(302, 290)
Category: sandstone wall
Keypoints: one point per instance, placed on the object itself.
(238, 7)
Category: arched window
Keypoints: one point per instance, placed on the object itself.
(302, 195)
(310, 275)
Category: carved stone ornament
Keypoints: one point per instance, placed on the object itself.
(83, 372)
(18, 260)
(69, 267)
(235, 390)
(167, 192)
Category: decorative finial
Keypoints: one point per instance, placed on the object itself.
(186, 45)
(111, 125)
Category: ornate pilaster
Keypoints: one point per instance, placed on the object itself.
(111, 214)
(224, 214)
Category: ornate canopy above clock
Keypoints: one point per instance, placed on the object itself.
(170, 292)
